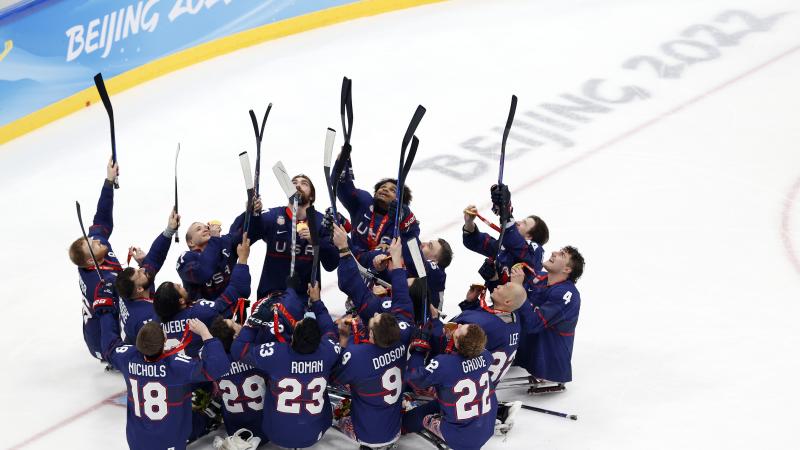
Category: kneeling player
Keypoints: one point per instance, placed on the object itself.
(297, 411)
(159, 383)
(464, 415)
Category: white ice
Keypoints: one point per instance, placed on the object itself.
(684, 203)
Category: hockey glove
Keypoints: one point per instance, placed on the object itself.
(327, 221)
(104, 303)
(261, 315)
(421, 339)
(406, 216)
(501, 201)
(488, 271)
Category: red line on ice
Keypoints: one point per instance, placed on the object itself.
(67, 421)
(786, 232)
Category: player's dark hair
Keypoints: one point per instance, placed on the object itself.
(576, 262)
(167, 301)
(540, 233)
(150, 340)
(306, 336)
(406, 190)
(222, 331)
(125, 284)
(386, 333)
(473, 343)
(445, 254)
(77, 252)
(311, 183)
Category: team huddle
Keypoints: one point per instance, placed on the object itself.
(196, 354)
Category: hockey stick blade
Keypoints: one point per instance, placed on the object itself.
(412, 126)
(416, 256)
(244, 161)
(283, 179)
(412, 152)
(88, 244)
(509, 121)
(330, 140)
(101, 89)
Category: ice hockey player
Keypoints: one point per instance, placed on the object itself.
(550, 316)
(365, 303)
(275, 227)
(297, 409)
(463, 414)
(174, 307)
(522, 241)
(136, 286)
(93, 289)
(159, 382)
(499, 321)
(205, 269)
(436, 256)
(373, 215)
(374, 368)
(243, 392)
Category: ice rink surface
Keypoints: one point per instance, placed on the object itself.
(679, 181)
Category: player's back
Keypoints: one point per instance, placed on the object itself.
(502, 337)
(298, 410)
(175, 327)
(468, 403)
(375, 376)
(243, 392)
(159, 399)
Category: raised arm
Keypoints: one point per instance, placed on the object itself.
(103, 223)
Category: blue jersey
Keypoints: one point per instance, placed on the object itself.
(365, 302)
(370, 228)
(548, 331)
(297, 410)
(502, 336)
(465, 395)
(159, 392)
(206, 311)
(134, 313)
(515, 250)
(92, 288)
(274, 226)
(436, 276)
(243, 391)
(206, 273)
(375, 374)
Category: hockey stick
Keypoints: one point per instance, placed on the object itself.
(346, 112)
(101, 89)
(330, 139)
(259, 137)
(419, 264)
(405, 163)
(504, 214)
(291, 191)
(89, 244)
(311, 217)
(244, 161)
(552, 413)
(177, 152)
